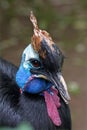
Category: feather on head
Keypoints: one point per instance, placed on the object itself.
(38, 36)
(45, 47)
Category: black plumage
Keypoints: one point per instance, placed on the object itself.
(16, 107)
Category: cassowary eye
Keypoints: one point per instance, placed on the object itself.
(35, 62)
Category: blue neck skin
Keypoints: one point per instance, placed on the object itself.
(23, 76)
(32, 85)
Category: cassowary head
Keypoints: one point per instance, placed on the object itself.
(41, 64)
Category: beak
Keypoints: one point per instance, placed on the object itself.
(57, 80)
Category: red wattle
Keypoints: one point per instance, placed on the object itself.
(52, 103)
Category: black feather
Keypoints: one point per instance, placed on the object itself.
(16, 107)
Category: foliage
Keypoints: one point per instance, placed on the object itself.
(73, 87)
(66, 21)
(23, 126)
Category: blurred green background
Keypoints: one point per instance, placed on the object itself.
(66, 21)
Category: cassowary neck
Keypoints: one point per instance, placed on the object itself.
(16, 108)
(34, 111)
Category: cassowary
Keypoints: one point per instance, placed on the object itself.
(36, 92)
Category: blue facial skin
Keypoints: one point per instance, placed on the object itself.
(36, 85)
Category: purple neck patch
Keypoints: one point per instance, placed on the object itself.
(53, 103)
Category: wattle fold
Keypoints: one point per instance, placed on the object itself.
(52, 103)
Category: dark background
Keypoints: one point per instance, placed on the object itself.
(66, 21)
